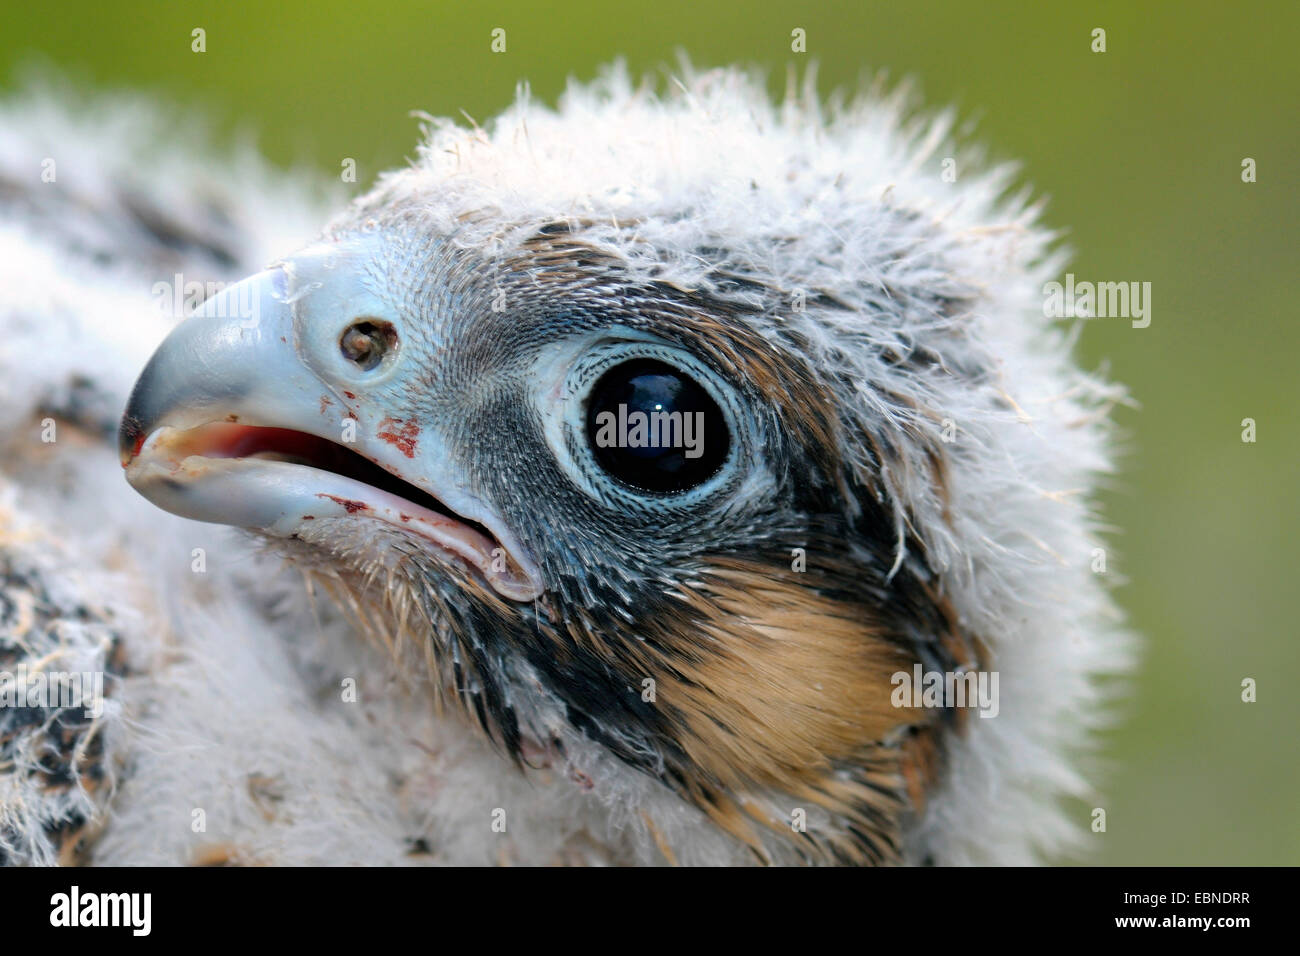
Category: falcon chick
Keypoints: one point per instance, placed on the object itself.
(648, 444)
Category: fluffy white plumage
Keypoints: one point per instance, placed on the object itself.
(232, 706)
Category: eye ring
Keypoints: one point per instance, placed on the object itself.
(367, 342)
(653, 428)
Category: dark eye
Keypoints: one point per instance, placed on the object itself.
(654, 428)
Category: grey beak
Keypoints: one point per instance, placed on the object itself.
(234, 356)
(232, 383)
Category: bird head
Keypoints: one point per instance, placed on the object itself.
(638, 446)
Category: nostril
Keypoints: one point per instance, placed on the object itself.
(365, 342)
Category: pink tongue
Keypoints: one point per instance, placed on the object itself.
(232, 440)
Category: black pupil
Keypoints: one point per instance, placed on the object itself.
(654, 428)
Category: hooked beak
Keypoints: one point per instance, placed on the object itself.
(240, 418)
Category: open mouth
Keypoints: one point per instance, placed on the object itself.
(274, 479)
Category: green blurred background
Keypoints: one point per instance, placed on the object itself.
(1139, 150)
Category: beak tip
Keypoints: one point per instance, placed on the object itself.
(130, 439)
